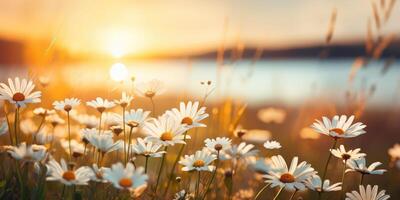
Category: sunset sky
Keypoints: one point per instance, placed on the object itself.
(129, 27)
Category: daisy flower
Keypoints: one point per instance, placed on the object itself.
(104, 142)
(263, 165)
(19, 92)
(43, 112)
(67, 104)
(31, 153)
(100, 104)
(218, 144)
(200, 161)
(272, 145)
(314, 183)
(166, 131)
(367, 193)
(359, 165)
(98, 174)
(269, 115)
(66, 176)
(43, 136)
(239, 132)
(183, 195)
(258, 136)
(147, 149)
(126, 177)
(339, 127)
(3, 127)
(291, 178)
(28, 126)
(189, 114)
(394, 152)
(89, 121)
(117, 129)
(150, 89)
(125, 100)
(54, 119)
(136, 118)
(347, 155)
(242, 150)
(87, 133)
(78, 149)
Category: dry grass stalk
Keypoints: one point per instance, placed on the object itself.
(331, 27)
(376, 15)
(388, 11)
(369, 42)
(383, 44)
(357, 64)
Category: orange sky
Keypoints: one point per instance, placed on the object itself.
(128, 27)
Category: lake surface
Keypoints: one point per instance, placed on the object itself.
(285, 81)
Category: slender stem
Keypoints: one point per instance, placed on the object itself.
(294, 193)
(9, 127)
(261, 191)
(160, 170)
(123, 127)
(63, 192)
(197, 185)
(20, 180)
(101, 115)
(343, 174)
(327, 163)
(69, 138)
(279, 192)
(145, 165)
(362, 179)
(212, 177)
(171, 175)
(129, 144)
(38, 129)
(153, 106)
(16, 125)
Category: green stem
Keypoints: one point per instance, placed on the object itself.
(9, 127)
(261, 191)
(197, 185)
(294, 193)
(16, 125)
(343, 174)
(101, 115)
(129, 144)
(362, 179)
(160, 170)
(327, 164)
(153, 106)
(279, 192)
(145, 165)
(69, 138)
(171, 175)
(123, 127)
(212, 177)
(20, 181)
(38, 129)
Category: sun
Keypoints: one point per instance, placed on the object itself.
(118, 72)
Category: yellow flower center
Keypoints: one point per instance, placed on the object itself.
(338, 131)
(18, 96)
(167, 136)
(69, 176)
(125, 182)
(198, 163)
(132, 124)
(67, 108)
(218, 147)
(346, 156)
(101, 109)
(287, 178)
(187, 121)
(150, 94)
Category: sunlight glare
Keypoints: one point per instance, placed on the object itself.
(118, 72)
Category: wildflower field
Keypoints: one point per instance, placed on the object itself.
(246, 121)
